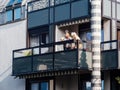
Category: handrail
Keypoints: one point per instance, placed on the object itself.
(109, 41)
(109, 45)
(48, 44)
(50, 47)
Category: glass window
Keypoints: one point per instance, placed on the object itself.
(34, 40)
(9, 16)
(102, 84)
(44, 86)
(40, 86)
(19, 1)
(17, 13)
(61, 1)
(86, 36)
(2, 18)
(114, 30)
(44, 38)
(118, 11)
(51, 2)
(113, 9)
(35, 86)
(10, 2)
(88, 85)
(102, 36)
(107, 8)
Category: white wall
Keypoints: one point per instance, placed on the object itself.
(106, 28)
(10, 83)
(12, 36)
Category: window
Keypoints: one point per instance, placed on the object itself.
(44, 38)
(39, 86)
(35, 86)
(9, 16)
(118, 11)
(107, 8)
(61, 1)
(44, 86)
(34, 40)
(88, 85)
(19, 1)
(17, 13)
(10, 2)
(39, 39)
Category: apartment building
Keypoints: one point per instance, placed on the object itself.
(13, 27)
(35, 51)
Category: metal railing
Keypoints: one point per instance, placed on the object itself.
(52, 48)
(109, 45)
(109, 54)
(41, 4)
(52, 56)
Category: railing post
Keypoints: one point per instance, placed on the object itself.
(12, 63)
(53, 45)
(77, 54)
(32, 60)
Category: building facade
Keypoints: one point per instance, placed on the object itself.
(12, 36)
(35, 54)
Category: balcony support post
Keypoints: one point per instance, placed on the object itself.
(96, 39)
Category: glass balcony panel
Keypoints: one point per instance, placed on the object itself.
(109, 59)
(23, 53)
(47, 48)
(114, 45)
(107, 46)
(61, 1)
(43, 62)
(85, 59)
(44, 50)
(22, 65)
(66, 60)
(36, 51)
(43, 58)
(36, 5)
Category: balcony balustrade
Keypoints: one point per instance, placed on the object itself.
(55, 56)
(52, 57)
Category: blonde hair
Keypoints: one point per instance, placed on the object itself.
(75, 36)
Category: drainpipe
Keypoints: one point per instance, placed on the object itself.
(96, 39)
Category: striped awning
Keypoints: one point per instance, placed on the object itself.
(80, 21)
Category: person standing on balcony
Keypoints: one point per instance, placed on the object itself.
(67, 37)
(76, 39)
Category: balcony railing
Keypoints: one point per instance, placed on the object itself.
(41, 4)
(53, 56)
(109, 54)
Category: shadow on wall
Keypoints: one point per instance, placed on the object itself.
(83, 60)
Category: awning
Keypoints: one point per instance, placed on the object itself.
(80, 21)
(53, 73)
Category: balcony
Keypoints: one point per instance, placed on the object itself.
(51, 11)
(109, 55)
(55, 57)
(52, 57)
